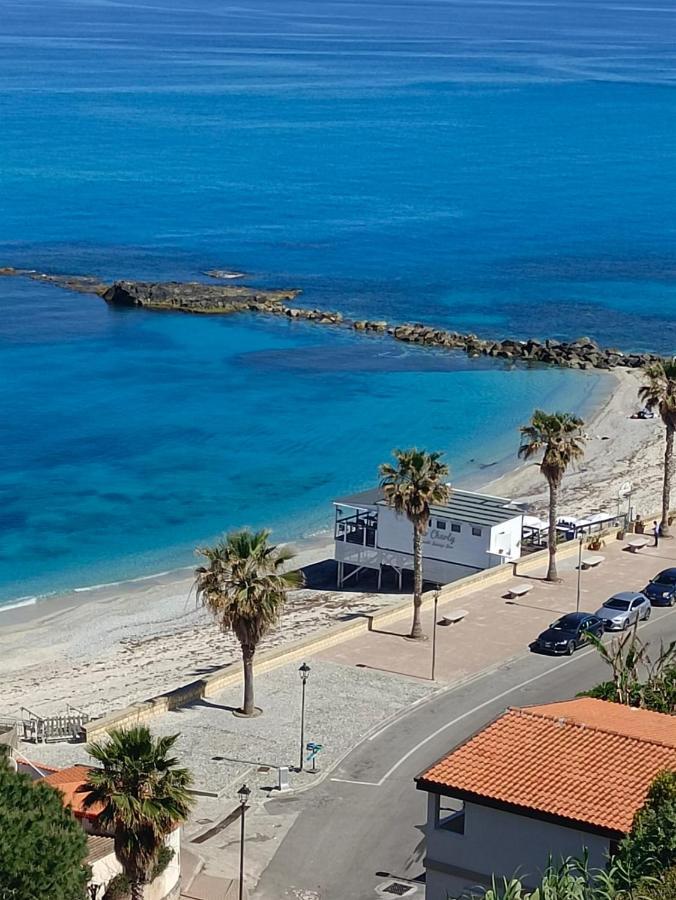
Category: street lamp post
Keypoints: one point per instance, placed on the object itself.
(243, 794)
(579, 572)
(434, 633)
(304, 673)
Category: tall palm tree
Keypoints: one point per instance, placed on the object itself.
(141, 794)
(244, 586)
(410, 487)
(560, 436)
(659, 392)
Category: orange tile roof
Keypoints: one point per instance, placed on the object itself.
(587, 761)
(68, 782)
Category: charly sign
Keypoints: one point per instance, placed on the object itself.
(437, 538)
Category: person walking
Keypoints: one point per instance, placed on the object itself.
(656, 533)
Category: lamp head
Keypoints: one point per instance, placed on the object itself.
(304, 672)
(243, 794)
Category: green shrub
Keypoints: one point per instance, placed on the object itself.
(650, 846)
(164, 857)
(118, 888)
(42, 847)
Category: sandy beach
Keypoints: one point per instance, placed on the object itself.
(105, 648)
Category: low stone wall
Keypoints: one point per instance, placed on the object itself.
(215, 682)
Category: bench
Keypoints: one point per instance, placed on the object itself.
(590, 562)
(519, 590)
(637, 543)
(457, 615)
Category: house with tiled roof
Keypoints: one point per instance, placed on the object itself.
(100, 845)
(540, 782)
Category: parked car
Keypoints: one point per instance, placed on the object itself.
(624, 609)
(662, 589)
(568, 633)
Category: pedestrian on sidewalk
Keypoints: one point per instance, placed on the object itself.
(656, 533)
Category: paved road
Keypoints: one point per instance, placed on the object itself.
(368, 817)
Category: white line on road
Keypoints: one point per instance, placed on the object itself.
(349, 781)
(470, 712)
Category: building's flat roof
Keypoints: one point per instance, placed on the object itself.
(464, 506)
(553, 760)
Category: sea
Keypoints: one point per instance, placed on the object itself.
(506, 167)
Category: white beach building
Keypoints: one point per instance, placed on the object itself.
(470, 533)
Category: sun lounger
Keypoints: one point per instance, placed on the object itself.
(457, 615)
(590, 562)
(637, 543)
(519, 590)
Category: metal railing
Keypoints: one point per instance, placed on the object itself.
(358, 529)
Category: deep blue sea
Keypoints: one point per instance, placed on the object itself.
(502, 166)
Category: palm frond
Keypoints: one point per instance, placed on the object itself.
(417, 481)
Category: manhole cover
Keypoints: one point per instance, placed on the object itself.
(398, 889)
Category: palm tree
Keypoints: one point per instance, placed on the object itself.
(560, 436)
(410, 487)
(659, 392)
(244, 586)
(142, 795)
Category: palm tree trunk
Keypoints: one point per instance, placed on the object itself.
(552, 574)
(666, 485)
(248, 651)
(136, 890)
(416, 627)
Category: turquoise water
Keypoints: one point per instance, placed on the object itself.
(497, 166)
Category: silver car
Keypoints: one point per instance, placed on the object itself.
(623, 610)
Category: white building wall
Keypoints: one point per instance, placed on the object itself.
(500, 843)
(446, 545)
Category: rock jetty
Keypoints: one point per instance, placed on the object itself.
(194, 297)
(205, 299)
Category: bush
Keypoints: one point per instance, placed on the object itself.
(650, 846)
(118, 888)
(164, 857)
(664, 887)
(43, 848)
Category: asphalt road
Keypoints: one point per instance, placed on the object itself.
(367, 818)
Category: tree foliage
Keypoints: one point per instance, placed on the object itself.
(42, 846)
(143, 795)
(244, 586)
(560, 439)
(639, 678)
(659, 392)
(411, 486)
(650, 847)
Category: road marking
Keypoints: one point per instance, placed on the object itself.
(517, 687)
(349, 781)
(505, 693)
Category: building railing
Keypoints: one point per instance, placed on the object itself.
(358, 529)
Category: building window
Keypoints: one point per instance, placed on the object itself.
(476, 532)
(455, 527)
(441, 525)
(450, 814)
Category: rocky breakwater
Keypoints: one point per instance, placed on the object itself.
(583, 353)
(195, 297)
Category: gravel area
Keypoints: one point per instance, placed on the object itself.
(342, 704)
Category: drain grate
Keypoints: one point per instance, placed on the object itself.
(398, 889)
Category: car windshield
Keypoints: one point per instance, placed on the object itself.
(615, 603)
(567, 623)
(665, 578)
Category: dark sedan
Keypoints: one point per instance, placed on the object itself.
(568, 633)
(662, 589)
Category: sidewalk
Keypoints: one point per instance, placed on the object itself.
(495, 627)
